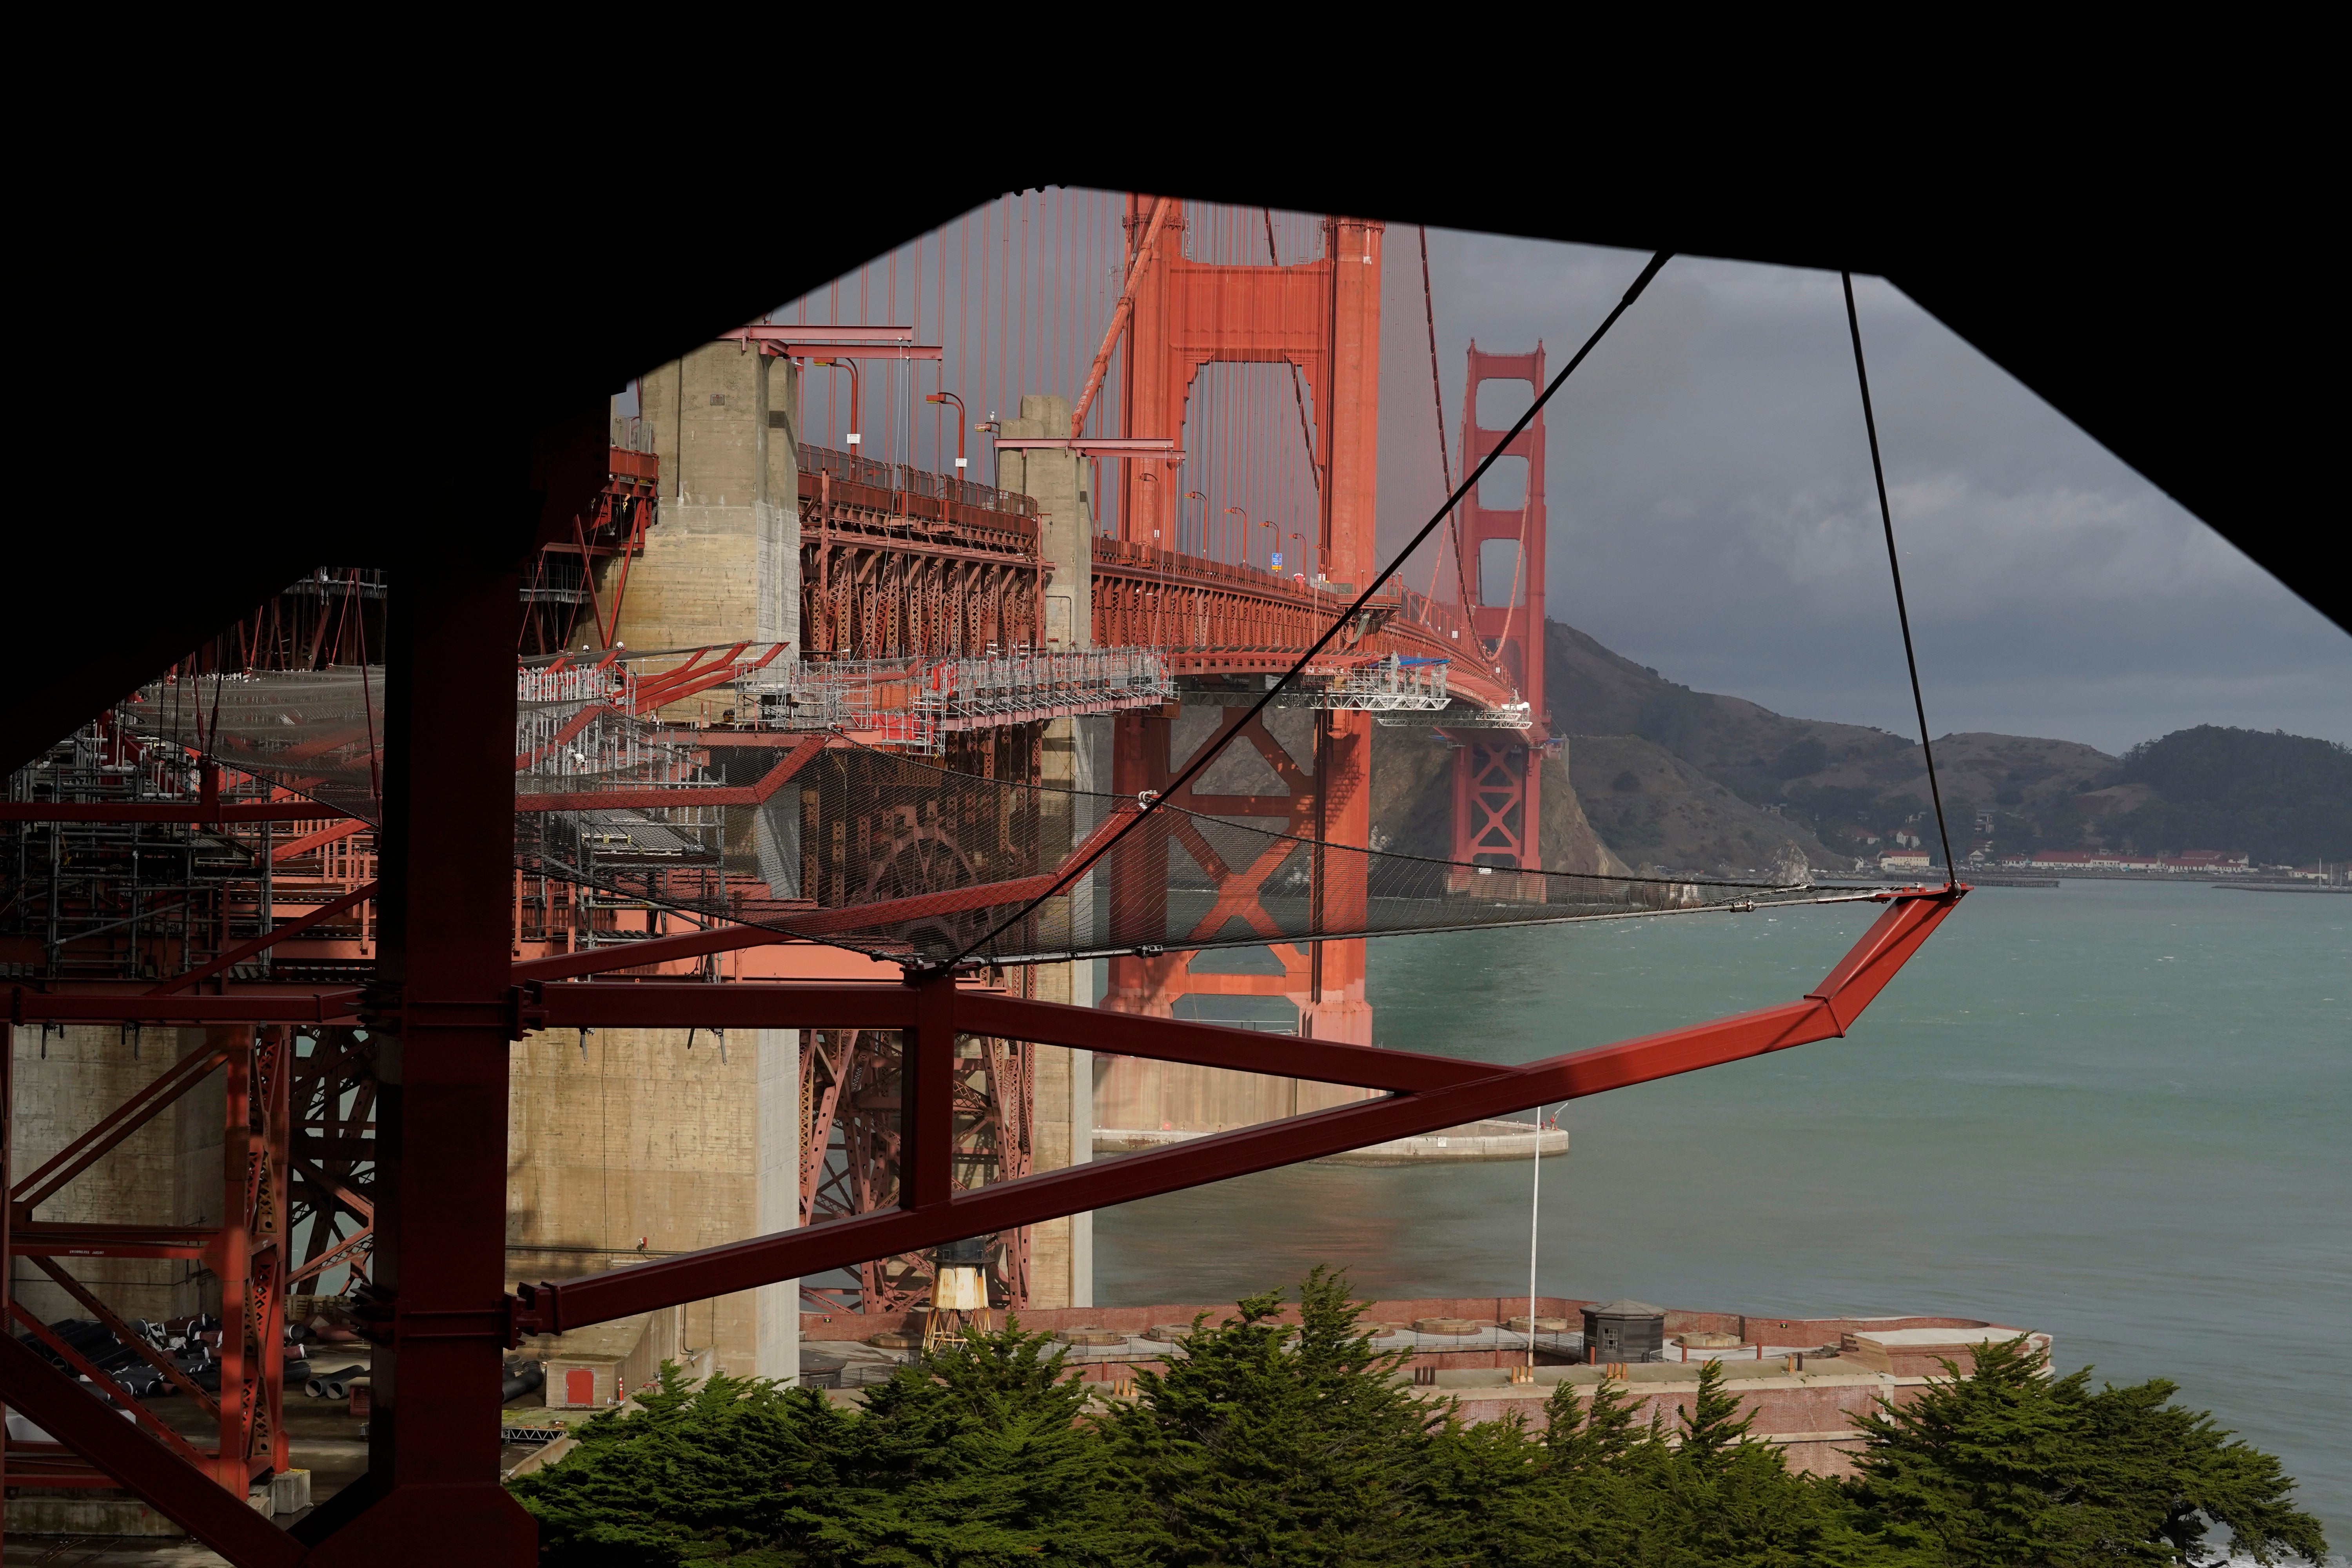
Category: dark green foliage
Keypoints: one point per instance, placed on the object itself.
(2010, 1466)
(2161, 1472)
(975, 1456)
(1247, 1449)
(2281, 799)
(1270, 1444)
(695, 1473)
(1713, 1425)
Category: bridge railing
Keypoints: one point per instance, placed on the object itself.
(906, 480)
(1108, 551)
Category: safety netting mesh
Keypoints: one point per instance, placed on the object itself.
(813, 833)
(900, 855)
(319, 732)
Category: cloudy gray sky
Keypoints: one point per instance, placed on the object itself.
(1712, 516)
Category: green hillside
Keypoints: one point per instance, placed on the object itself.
(1695, 780)
(2281, 799)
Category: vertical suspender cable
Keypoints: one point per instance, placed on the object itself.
(1444, 465)
(1895, 566)
(1209, 753)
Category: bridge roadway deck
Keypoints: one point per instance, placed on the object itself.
(899, 555)
(1214, 617)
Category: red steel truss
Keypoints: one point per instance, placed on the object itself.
(1329, 999)
(1498, 775)
(854, 1082)
(246, 1252)
(562, 583)
(1322, 317)
(453, 1313)
(897, 561)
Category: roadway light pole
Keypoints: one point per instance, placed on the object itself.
(1196, 495)
(1274, 529)
(851, 366)
(949, 397)
(1241, 538)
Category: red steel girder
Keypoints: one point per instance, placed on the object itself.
(937, 1010)
(182, 1492)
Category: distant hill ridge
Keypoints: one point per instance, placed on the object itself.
(1641, 748)
(1666, 777)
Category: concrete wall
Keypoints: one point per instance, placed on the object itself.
(1060, 484)
(722, 563)
(1061, 1251)
(641, 1138)
(168, 1172)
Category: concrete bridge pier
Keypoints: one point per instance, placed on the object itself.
(1061, 1251)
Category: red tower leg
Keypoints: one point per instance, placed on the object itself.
(1497, 775)
(435, 1309)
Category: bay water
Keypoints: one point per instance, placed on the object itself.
(2113, 1111)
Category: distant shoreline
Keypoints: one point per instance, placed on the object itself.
(2023, 877)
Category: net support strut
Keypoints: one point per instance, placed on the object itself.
(1425, 1093)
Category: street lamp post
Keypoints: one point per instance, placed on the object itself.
(851, 366)
(949, 397)
(1196, 495)
(1301, 540)
(1275, 530)
(1240, 541)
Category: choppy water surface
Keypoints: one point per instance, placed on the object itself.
(2113, 1111)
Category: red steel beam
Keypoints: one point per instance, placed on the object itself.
(158, 811)
(1823, 1013)
(1210, 1045)
(815, 923)
(434, 1305)
(106, 1385)
(182, 1493)
(779, 1004)
(676, 796)
(324, 835)
(238, 955)
(653, 950)
(116, 1124)
(286, 1005)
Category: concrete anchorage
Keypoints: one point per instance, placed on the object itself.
(1061, 1251)
(723, 564)
(632, 1143)
(167, 1173)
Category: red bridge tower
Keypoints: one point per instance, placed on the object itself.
(1498, 774)
(1323, 317)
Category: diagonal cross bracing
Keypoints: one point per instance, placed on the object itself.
(1425, 1093)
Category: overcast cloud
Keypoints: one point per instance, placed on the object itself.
(1712, 515)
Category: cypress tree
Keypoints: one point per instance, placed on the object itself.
(2010, 1466)
(979, 1455)
(706, 1472)
(1595, 1435)
(1598, 1502)
(1250, 1450)
(2156, 1475)
(1732, 1504)
(1965, 1473)
(1713, 1425)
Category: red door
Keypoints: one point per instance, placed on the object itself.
(580, 1386)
